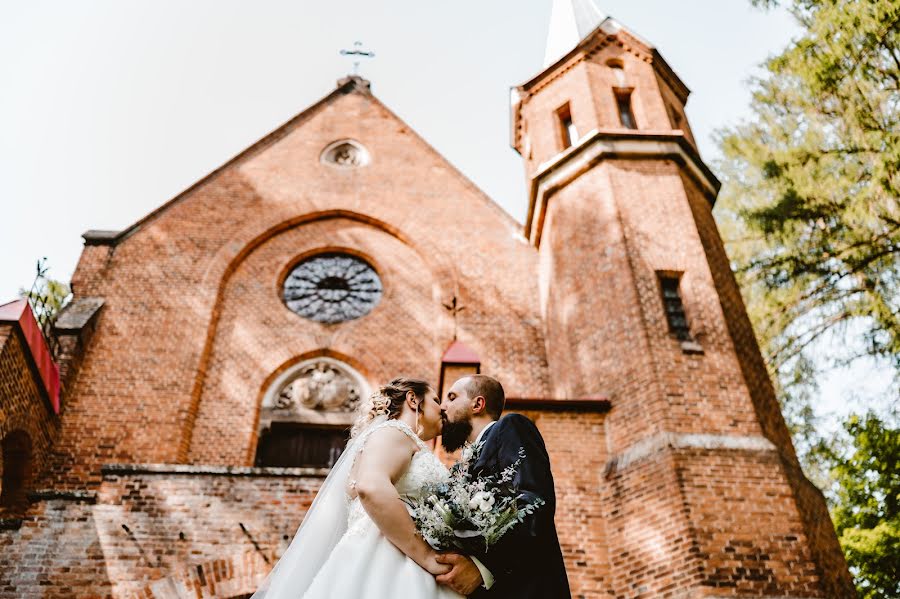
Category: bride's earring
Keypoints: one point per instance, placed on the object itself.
(419, 430)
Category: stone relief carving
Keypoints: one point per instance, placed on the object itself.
(319, 386)
(346, 154)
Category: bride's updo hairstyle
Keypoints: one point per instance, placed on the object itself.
(388, 401)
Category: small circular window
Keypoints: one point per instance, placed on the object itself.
(332, 288)
(345, 153)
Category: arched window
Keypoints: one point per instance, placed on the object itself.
(17, 464)
(306, 415)
(622, 93)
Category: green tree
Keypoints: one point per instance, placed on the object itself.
(866, 502)
(47, 296)
(811, 204)
(810, 213)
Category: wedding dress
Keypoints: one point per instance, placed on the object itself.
(339, 552)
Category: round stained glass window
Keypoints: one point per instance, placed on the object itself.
(332, 288)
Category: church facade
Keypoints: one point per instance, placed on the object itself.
(214, 351)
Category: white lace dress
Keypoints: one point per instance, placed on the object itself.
(364, 564)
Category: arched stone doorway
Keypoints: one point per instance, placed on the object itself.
(307, 412)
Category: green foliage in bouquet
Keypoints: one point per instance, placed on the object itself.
(470, 514)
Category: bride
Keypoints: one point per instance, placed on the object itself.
(357, 539)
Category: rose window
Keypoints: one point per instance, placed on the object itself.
(332, 288)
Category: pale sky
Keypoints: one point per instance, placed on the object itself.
(109, 109)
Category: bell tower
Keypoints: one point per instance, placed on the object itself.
(702, 494)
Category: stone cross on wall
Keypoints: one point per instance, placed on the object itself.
(454, 308)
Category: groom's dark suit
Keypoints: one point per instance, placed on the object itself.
(527, 562)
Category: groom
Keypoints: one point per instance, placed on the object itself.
(527, 562)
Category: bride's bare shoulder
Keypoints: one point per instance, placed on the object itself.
(387, 452)
(389, 439)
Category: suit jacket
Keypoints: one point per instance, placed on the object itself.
(527, 562)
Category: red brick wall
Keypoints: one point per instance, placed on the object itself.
(577, 447)
(665, 510)
(703, 491)
(84, 550)
(822, 540)
(587, 83)
(55, 553)
(180, 290)
(22, 406)
(687, 487)
(183, 534)
(256, 335)
(715, 519)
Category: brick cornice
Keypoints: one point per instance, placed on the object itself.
(598, 404)
(609, 32)
(57, 495)
(663, 440)
(601, 144)
(209, 470)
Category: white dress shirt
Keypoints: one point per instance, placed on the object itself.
(486, 575)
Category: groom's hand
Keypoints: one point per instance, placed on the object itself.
(464, 577)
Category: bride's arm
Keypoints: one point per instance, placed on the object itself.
(385, 458)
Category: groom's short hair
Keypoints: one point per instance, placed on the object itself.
(490, 389)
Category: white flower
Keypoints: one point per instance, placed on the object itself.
(477, 498)
(482, 500)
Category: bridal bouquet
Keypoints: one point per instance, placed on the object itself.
(466, 513)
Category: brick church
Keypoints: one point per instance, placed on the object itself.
(207, 368)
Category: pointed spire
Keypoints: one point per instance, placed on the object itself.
(570, 22)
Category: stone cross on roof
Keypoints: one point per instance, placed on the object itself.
(357, 53)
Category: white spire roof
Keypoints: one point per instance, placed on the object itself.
(570, 22)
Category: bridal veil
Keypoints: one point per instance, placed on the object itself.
(322, 527)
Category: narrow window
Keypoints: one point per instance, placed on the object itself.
(567, 130)
(671, 296)
(623, 101)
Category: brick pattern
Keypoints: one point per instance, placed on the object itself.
(156, 357)
(241, 364)
(587, 84)
(56, 553)
(575, 441)
(155, 533)
(688, 487)
(825, 550)
(22, 406)
(713, 521)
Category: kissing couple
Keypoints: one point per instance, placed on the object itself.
(359, 540)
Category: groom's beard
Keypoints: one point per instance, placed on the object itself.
(455, 434)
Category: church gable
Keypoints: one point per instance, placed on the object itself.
(196, 294)
(340, 144)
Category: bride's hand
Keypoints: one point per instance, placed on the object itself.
(434, 568)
